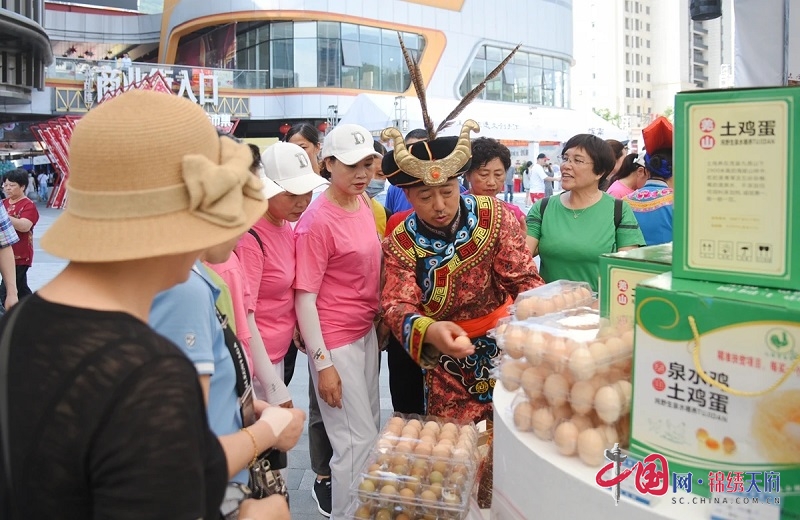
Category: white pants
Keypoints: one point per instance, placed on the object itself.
(352, 429)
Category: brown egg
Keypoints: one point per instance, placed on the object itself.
(449, 436)
(420, 463)
(601, 356)
(397, 422)
(556, 354)
(410, 433)
(418, 472)
(436, 489)
(556, 389)
(581, 422)
(415, 423)
(363, 513)
(440, 466)
(402, 516)
(522, 416)
(367, 486)
(525, 308)
(428, 496)
(383, 514)
(559, 302)
(462, 342)
(411, 483)
(582, 364)
(450, 427)
(542, 422)
(406, 494)
(373, 467)
(581, 397)
(545, 307)
(400, 459)
(513, 342)
(446, 442)
(424, 449)
(388, 491)
(436, 477)
(404, 447)
(441, 451)
(400, 469)
(591, 447)
(461, 454)
(511, 372)
(383, 459)
(561, 413)
(566, 438)
(535, 347)
(532, 382)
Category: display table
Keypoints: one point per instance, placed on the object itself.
(532, 480)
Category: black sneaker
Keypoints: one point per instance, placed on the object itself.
(321, 493)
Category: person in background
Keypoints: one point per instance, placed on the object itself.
(579, 224)
(526, 180)
(307, 137)
(511, 171)
(92, 390)
(396, 201)
(630, 177)
(24, 215)
(538, 179)
(338, 257)
(376, 188)
(619, 150)
(653, 203)
(8, 272)
(43, 188)
(491, 162)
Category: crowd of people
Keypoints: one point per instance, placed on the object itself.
(149, 378)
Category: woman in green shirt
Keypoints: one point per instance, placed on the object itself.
(583, 222)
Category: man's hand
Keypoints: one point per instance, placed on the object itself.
(449, 339)
(274, 507)
(298, 341)
(330, 387)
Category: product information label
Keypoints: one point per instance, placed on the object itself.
(739, 184)
(622, 289)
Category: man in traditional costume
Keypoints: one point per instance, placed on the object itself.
(452, 269)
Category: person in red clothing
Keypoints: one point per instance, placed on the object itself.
(24, 216)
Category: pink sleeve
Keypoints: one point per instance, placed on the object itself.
(233, 275)
(252, 260)
(313, 248)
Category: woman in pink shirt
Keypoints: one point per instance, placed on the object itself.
(337, 286)
(267, 252)
(630, 177)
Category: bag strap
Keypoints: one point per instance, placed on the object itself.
(5, 354)
(543, 206)
(258, 239)
(617, 213)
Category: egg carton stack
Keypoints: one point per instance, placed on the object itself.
(421, 467)
(571, 373)
(553, 297)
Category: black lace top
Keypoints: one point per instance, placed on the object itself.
(107, 420)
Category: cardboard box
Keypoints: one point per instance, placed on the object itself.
(736, 189)
(621, 272)
(740, 427)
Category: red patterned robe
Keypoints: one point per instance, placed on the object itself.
(467, 278)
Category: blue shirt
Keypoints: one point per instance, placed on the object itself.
(186, 315)
(653, 206)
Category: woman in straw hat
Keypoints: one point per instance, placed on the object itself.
(101, 417)
(337, 281)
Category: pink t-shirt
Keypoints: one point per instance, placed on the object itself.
(270, 274)
(618, 190)
(233, 273)
(339, 259)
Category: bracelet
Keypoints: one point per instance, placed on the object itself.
(255, 447)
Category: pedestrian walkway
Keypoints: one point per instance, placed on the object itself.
(300, 478)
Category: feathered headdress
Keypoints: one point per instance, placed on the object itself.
(435, 161)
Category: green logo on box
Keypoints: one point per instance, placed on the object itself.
(780, 341)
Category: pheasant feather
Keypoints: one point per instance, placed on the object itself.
(419, 87)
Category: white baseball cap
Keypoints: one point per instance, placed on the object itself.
(349, 144)
(270, 188)
(288, 166)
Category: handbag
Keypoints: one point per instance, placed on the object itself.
(265, 476)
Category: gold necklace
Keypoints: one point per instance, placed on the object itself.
(576, 214)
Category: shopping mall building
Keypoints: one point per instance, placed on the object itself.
(270, 63)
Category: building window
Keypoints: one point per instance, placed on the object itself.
(627, 75)
(529, 78)
(305, 54)
(648, 60)
(648, 78)
(647, 10)
(628, 92)
(627, 41)
(648, 94)
(627, 58)
(647, 27)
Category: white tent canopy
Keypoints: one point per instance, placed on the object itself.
(499, 120)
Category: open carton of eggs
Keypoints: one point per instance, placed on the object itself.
(421, 467)
(572, 372)
(553, 297)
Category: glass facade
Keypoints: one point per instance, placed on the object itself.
(529, 78)
(321, 54)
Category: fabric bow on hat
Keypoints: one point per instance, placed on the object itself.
(217, 191)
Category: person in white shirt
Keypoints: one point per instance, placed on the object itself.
(538, 179)
(43, 178)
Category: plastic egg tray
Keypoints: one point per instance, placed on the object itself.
(420, 467)
(551, 298)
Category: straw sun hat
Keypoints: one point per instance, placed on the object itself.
(149, 176)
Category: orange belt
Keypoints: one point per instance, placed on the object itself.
(477, 327)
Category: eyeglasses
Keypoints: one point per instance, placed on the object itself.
(574, 160)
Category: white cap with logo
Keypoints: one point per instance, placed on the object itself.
(349, 144)
(287, 164)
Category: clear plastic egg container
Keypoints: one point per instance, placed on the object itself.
(372, 510)
(551, 298)
(416, 485)
(585, 435)
(575, 342)
(428, 436)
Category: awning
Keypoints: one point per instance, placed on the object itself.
(499, 120)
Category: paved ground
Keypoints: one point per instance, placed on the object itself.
(300, 476)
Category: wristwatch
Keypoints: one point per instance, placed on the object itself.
(234, 494)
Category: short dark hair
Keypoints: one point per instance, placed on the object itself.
(307, 131)
(256, 164)
(599, 151)
(417, 133)
(18, 176)
(484, 149)
(378, 147)
(616, 147)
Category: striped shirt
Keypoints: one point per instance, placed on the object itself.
(8, 236)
